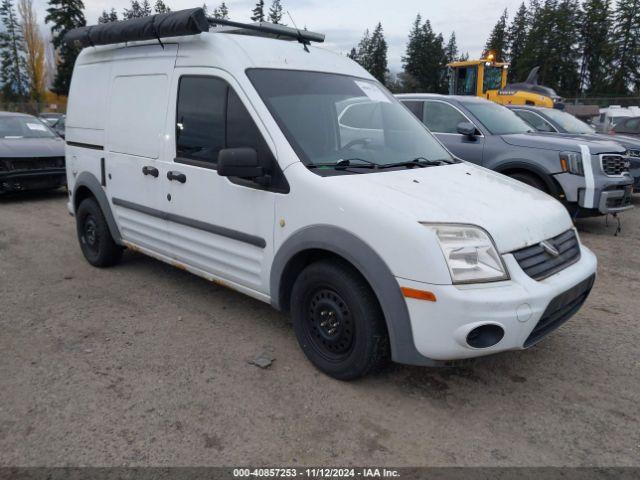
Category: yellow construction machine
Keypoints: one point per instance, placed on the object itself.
(487, 78)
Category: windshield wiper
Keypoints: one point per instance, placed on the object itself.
(416, 162)
(346, 163)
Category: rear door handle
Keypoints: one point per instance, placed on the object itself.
(177, 176)
(150, 171)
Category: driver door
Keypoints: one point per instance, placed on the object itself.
(217, 226)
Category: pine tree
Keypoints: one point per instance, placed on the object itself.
(564, 49)
(111, 16)
(626, 35)
(497, 42)
(161, 7)
(516, 38)
(596, 49)
(353, 54)
(221, 12)
(425, 60)
(258, 12)
(205, 9)
(451, 50)
(14, 77)
(378, 54)
(275, 12)
(134, 11)
(64, 15)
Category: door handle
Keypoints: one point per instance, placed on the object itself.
(150, 171)
(177, 176)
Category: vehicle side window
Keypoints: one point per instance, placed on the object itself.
(536, 121)
(211, 117)
(200, 132)
(441, 117)
(243, 132)
(415, 107)
(632, 124)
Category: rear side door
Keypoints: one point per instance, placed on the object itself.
(219, 227)
(137, 110)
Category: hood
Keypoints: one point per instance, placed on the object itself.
(626, 142)
(31, 147)
(515, 214)
(561, 143)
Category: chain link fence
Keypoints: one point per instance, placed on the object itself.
(604, 101)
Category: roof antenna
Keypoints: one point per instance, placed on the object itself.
(305, 43)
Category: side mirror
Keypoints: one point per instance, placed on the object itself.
(239, 162)
(466, 128)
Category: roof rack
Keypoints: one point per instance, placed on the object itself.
(270, 29)
(176, 24)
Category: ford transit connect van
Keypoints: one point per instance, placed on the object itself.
(240, 158)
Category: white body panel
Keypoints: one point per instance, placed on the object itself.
(383, 210)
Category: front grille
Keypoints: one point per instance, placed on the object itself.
(559, 310)
(539, 263)
(614, 165)
(31, 163)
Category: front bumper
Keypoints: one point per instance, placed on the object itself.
(615, 201)
(440, 328)
(22, 180)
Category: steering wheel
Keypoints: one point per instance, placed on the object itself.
(358, 141)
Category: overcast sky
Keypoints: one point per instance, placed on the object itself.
(344, 21)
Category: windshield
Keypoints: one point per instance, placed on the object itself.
(497, 119)
(568, 122)
(23, 127)
(492, 78)
(328, 118)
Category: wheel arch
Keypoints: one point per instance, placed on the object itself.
(88, 186)
(325, 241)
(545, 177)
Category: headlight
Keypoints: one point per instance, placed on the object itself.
(571, 162)
(634, 153)
(470, 254)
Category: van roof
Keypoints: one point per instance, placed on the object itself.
(234, 53)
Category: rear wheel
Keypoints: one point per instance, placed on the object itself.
(530, 179)
(95, 239)
(338, 322)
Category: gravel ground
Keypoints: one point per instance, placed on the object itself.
(145, 364)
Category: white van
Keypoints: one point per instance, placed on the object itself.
(244, 160)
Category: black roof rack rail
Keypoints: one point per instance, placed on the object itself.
(175, 24)
(303, 36)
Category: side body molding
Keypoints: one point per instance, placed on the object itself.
(87, 180)
(373, 269)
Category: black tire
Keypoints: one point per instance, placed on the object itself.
(530, 179)
(94, 237)
(338, 321)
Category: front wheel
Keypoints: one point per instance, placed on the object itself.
(338, 321)
(531, 180)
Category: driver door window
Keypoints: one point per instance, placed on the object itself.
(440, 117)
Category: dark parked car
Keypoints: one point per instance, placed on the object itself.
(562, 123)
(627, 126)
(589, 177)
(31, 154)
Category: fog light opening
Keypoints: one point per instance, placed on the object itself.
(485, 336)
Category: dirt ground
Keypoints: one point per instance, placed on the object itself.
(144, 364)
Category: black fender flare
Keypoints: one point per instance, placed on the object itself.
(545, 176)
(370, 265)
(90, 182)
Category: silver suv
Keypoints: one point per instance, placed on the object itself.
(589, 177)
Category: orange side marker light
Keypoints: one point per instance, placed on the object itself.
(418, 294)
